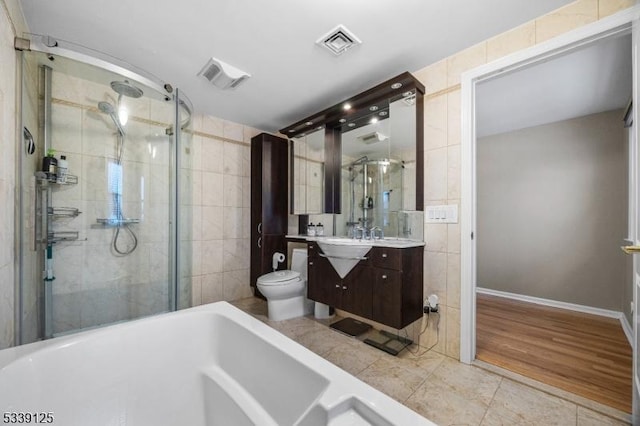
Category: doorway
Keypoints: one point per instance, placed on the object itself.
(578, 41)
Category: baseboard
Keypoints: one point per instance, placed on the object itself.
(552, 303)
(565, 305)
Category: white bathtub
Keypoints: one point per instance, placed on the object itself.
(210, 365)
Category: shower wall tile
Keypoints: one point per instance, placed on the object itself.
(212, 260)
(196, 291)
(196, 153)
(6, 305)
(66, 130)
(235, 254)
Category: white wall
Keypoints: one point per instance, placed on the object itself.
(552, 211)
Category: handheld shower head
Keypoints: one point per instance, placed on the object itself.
(107, 108)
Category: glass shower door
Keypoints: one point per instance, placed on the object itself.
(106, 233)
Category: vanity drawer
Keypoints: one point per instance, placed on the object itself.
(384, 257)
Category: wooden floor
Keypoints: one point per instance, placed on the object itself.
(584, 354)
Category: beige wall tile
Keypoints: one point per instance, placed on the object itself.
(212, 125)
(435, 123)
(434, 77)
(233, 131)
(212, 223)
(236, 285)
(452, 345)
(232, 191)
(453, 280)
(435, 275)
(464, 61)
(512, 41)
(196, 291)
(565, 19)
(212, 155)
(232, 223)
(453, 236)
(212, 189)
(609, 7)
(454, 173)
(454, 123)
(435, 237)
(212, 288)
(211, 256)
(435, 174)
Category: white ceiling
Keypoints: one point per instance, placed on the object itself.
(275, 42)
(590, 80)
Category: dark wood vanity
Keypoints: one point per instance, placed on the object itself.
(386, 287)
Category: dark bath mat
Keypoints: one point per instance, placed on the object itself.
(350, 326)
(390, 343)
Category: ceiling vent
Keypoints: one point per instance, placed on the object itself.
(223, 75)
(338, 40)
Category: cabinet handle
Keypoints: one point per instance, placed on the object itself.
(344, 287)
(337, 285)
(259, 242)
(260, 228)
(310, 263)
(311, 247)
(384, 277)
(384, 254)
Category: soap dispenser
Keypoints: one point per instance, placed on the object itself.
(311, 230)
(319, 229)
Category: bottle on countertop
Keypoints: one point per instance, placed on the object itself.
(370, 203)
(311, 230)
(50, 165)
(319, 229)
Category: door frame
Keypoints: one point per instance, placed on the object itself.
(618, 23)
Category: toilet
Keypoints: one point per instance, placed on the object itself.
(286, 291)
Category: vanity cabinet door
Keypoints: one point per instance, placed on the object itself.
(385, 257)
(356, 291)
(323, 283)
(387, 297)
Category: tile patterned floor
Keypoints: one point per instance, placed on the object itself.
(439, 388)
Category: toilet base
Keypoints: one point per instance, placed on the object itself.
(293, 307)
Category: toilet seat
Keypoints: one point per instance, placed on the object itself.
(279, 278)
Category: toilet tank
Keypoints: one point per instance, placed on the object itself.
(299, 262)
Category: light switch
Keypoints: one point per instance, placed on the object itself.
(442, 214)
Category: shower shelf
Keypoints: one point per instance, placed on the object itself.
(60, 212)
(56, 237)
(116, 222)
(44, 181)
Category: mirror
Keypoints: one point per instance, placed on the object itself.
(378, 170)
(308, 173)
(362, 159)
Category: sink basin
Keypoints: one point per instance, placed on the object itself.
(343, 253)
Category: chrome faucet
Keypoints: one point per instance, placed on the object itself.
(359, 232)
(376, 233)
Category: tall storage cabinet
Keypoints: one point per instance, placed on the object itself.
(269, 189)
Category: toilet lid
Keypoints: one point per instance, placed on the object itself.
(278, 277)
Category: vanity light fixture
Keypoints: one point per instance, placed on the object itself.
(351, 124)
(343, 120)
(338, 40)
(383, 113)
(346, 107)
(308, 123)
(395, 86)
(373, 120)
(373, 108)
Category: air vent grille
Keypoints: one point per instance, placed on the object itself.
(338, 40)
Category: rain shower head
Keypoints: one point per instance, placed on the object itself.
(107, 108)
(127, 89)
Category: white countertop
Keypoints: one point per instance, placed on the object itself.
(391, 242)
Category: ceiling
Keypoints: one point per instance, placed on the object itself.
(586, 81)
(274, 41)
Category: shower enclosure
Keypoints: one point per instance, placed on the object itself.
(100, 244)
